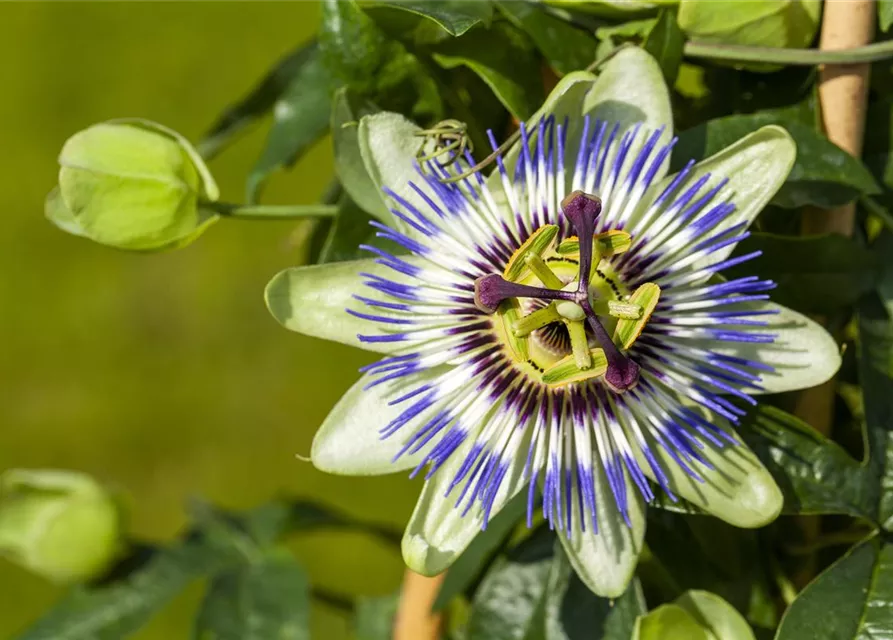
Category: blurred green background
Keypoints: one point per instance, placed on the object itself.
(164, 374)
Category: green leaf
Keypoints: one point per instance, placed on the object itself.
(455, 16)
(374, 618)
(851, 600)
(141, 585)
(573, 612)
(815, 274)
(352, 47)
(823, 174)
(565, 47)
(721, 619)
(665, 42)
(685, 553)
(347, 109)
(467, 567)
(876, 375)
(359, 55)
(885, 14)
(763, 23)
(814, 473)
(504, 59)
(300, 118)
(266, 599)
(351, 228)
(510, 601)
(257, 103)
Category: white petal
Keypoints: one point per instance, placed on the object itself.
(738, 489)
(803, 354)
(606, 561)
(348, 442)
(438, 532)
(313, 301)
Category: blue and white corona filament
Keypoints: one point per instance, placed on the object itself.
(574, 320)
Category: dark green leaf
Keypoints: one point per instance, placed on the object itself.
(455, 16)
(565, 47)
(815, 274)
(814, 473)
(375, 617)
(347, 109)
(876, 376)
(352, 47)
(300, 118)
(266, 524)
(573, 612)
(139, 587)
(851, 600)
(510, 601)
(687, 553)
(257, 103)
(468, 566)
(266, 599)
(823, 174)
(359, 55)
(350, 229)
(504, 59)
(885, 14)
(665, 42)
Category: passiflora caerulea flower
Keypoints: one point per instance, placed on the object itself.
(561, 328)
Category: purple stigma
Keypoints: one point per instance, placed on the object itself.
(490, 290)
(582, 210)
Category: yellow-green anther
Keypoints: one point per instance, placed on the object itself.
(536, 244)
(566, 371)
(613, 242)
(579, 343)
(536, 320)
(628, 331)
(542, 271)
(624, 310)
(606, 244)
(569, 246)
(509, 314)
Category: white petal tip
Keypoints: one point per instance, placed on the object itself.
(423, 558)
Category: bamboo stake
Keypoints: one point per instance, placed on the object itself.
(843, 93)
(414, 620)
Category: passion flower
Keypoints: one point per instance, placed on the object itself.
(562, 328)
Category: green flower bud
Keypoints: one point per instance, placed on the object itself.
(61, 525)
(132, 184)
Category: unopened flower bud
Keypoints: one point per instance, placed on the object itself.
(61, 525)
(132, 184)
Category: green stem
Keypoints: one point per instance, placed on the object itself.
(805, 57)
(272, 211)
